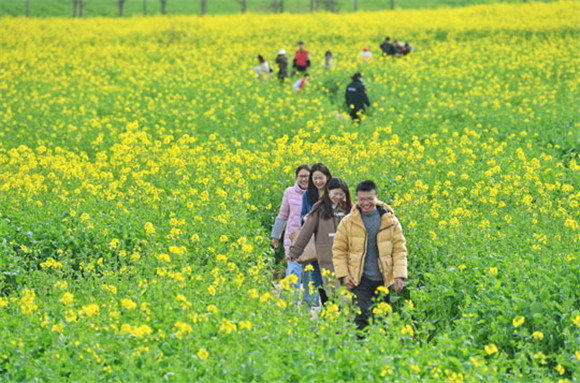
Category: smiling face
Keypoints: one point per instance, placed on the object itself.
(302, 178)
(337, 196)
(367, 200)
(319, 180)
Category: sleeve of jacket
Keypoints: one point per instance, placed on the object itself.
(309, 228)
(282, 217)
(399, 252)
(340, 251)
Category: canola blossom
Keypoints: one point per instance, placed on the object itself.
(142, 164)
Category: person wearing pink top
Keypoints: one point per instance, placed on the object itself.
(289, 218)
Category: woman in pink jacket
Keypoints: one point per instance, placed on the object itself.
(289, 217)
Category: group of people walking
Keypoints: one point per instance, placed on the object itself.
(356, 97)
(357, 245)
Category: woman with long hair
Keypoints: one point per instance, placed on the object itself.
(319, 177)
(322, 222)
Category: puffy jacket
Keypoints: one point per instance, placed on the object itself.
(350, 246)
(289, 215)
(356, 95)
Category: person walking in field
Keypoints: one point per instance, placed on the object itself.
(301, 61)
(289, 218)
(319, 177)
(388, 48)
(282, 62)
(299, 84)
(263, 69)
(322, 222)
(356, 97)
(369, 251)
(329, 60)
(365, 55)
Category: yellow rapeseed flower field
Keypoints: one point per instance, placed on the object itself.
(142, 164)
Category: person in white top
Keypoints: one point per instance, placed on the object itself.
(263, 68)
(365, 55)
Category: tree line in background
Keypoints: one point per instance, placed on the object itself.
(276, 6)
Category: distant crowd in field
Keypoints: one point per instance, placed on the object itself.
(330, 242)
(355, 95)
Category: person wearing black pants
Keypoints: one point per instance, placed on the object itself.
(356, 97)
(363, 298)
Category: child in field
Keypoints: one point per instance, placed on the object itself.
(299, 85)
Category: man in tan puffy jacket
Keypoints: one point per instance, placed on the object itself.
(369, 250)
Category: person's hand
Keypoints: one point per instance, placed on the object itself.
(348, 281)
(398, 284)
(275, 243)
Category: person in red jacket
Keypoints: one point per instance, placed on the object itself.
(301, 59)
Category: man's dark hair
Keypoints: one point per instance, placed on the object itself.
(387, 38)
(302, 167)
(367, 186)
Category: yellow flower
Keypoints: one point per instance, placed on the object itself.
(538, 335)
(493, 270)
(128, 304)
(114, 243)
(491, 349)
(90, 310)
(57, 328)
(212, 309)
(561, 370)
(67, 298)
(518, 321)
(245, 325)
(203, 354)
(407, 330)
(27, 304)
(576, 320)
(149, 228)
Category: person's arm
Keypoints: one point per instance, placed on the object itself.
(308, 60)
(281, 220)
(399, 254)
(309, 228)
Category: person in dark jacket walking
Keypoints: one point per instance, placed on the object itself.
(388, 48)
(356, 97)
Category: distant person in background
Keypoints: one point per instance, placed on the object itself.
(282, 62)
(319, 177)
(356, 97)
(365, 55)
(388, 48)
(400, 47)
(407, 48)
(301, 61)
(299, 84)
(289, 218)
(322, 222)
(263, 69)
(329, 60)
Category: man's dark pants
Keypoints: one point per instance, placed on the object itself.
(364, 293)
